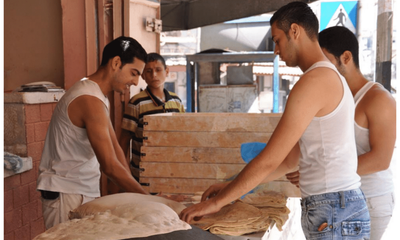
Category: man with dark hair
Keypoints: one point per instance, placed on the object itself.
(154, 99)
(80, 139)
(375, 126)
(318, 123)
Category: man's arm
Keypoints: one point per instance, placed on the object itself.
(124, 142)
(290, 164)
(94, 116)
(317, 93)
(121, 154)
(380, 110)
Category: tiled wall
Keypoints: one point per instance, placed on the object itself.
(22, 205)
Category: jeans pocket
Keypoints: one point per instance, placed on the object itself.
(355, 228)
(317, 220)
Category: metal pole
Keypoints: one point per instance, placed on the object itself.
(275, 86)
(189, 83)
(383, 72)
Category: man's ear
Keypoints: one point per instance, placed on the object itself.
(346, 57)
(295, 28)
(167, 71)
(116, 62)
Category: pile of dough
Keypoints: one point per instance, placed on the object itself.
(138, 217)
(257, 212)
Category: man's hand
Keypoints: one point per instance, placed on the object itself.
(196, 211)
(213, 190)
(294, 177)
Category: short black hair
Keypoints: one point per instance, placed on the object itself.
(336, 40)
(152, 57)
(299, 13)
(126, 48)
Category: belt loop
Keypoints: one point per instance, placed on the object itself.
(342, 200)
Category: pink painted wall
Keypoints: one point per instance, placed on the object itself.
(33, 48)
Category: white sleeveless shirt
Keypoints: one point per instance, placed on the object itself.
(379, 183)
(328, 161)
(69, 164)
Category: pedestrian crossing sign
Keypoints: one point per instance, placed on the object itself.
(340, 13)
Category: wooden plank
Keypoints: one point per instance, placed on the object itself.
(202, 139)
(125, 21)
(91, 37)
(193, 186)
(190, 170)
(74, 41)
(191, 154)
(117, 18)
(215, 122)
(177, 185)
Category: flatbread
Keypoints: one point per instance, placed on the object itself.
(112, 201)
(234, 219)
(236, 214)
(256, 212)
(138, 219)
(266, 199)
(278, 215)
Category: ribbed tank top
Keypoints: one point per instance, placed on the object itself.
(69, 164)
(328, 161)
(379, 183)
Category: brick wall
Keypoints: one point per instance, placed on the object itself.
(22, 205)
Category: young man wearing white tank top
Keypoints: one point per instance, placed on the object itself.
(316, 132)
(375, 127)
(81, 141)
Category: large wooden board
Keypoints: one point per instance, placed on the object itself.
(192, 186)
(191, 154)
(177, 185)
(202, 139)
(187, 153)
(190, 170)
(212, 122)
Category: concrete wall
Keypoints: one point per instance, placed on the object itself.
(32, 42)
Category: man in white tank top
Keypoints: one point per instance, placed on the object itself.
(375, 127)
(81, 141)
(316, 132)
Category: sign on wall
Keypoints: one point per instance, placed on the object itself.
(340, 13)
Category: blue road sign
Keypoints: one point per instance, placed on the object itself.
(341, 13)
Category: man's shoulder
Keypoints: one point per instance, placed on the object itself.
(378, 95)
(173, 95)
(318, 76)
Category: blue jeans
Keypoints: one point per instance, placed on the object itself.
(334, 216)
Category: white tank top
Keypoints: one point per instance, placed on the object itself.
(69, 164)
(328, 161)
(379, 183)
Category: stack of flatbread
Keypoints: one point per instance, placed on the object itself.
(255, 213)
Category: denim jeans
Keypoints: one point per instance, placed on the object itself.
(334, 216)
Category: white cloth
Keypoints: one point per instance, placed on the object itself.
(328, 161)
(379, 183)
(381, 211)
(69, 164)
